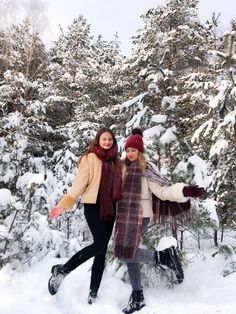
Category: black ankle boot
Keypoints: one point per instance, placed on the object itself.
(58, 274)
(92, 297)
(169, 258)
(136, 302)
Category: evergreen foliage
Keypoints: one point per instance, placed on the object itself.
(178, 85)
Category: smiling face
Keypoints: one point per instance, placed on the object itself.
(106, 140)
(132, 153)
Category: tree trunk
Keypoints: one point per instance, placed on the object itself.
(222, 233)
(181, 240)
(198, 240)
(216, 238)
(68, 228)
(159, 160)
(7, 241)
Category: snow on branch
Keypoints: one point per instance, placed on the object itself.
(207, 126)
(131, 102)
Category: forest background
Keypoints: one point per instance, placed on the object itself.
(177, 84)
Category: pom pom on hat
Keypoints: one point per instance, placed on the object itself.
(137, 131)
(135, 140)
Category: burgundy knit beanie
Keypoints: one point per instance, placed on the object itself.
(135, 140)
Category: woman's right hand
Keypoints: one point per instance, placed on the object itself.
(193, 191)
(56, 211)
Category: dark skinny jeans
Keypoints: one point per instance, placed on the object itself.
(101, 232)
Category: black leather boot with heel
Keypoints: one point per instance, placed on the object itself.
(136, 302)
(58, 274)
(169, 258)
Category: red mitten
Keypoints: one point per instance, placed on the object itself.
(56, 211)
(193, 191)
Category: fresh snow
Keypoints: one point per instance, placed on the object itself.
(219, 147)
(204, 290)
(167, 103)
(166, 242)
(28, 179)
(130, 102)
(159, 118)
(218, 100)
(211, 208)
(5, 197)
(200, 177)
(205, 126)
(14, 120)
(153, 132)
(153, 88)
(135, 121)
(169, 135)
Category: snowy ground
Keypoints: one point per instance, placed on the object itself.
(204, 291)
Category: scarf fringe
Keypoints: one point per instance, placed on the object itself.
(173, 222)
(171, 213)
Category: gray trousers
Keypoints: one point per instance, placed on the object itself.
(141, 256)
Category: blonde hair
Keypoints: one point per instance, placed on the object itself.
(141, 161)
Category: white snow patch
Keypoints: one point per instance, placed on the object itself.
(166, 242)
(5, 197)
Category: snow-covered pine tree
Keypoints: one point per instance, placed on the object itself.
(79, 96)
(80, 85)
(27, 144)
(172, 47)
(171, 51)
(110, 84)
(219, 131)
(168, 81)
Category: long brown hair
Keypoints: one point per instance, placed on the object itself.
(95, 141)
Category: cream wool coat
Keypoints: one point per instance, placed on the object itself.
(173, 193)
(86, 183)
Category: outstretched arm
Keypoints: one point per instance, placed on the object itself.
(178, 192)
(78, 186)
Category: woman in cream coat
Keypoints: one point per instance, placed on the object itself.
(98, 182)
(141, 184)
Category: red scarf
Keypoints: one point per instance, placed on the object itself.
(110, 184)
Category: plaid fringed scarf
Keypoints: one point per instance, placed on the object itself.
(129, 218)
(169, 213)
(166, 212)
